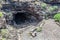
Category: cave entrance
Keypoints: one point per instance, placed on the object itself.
(21, 17)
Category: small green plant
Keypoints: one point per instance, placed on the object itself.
(57, 17)
(43, 5)
(52, 8)
(3, 39)
(4, 32)
(39, 29)
(55, 7)
(1, 14)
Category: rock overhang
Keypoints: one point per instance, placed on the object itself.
(22, 10)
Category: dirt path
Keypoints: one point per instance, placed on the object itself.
(50, 31)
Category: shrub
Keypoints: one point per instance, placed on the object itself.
(39, 29)
(43, 5)
(1, 14)
(4, 32)
(57, 17)
(52, 8)
(55, 7)
(3, 39)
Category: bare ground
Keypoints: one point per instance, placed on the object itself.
(50, 31)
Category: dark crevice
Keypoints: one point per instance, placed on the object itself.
(21, 17)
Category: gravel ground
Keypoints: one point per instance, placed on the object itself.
(50, 31)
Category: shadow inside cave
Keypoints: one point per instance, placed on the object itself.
(23, 19)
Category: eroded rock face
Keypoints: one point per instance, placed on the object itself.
(20, 12)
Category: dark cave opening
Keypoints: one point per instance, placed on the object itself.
(21, 17)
